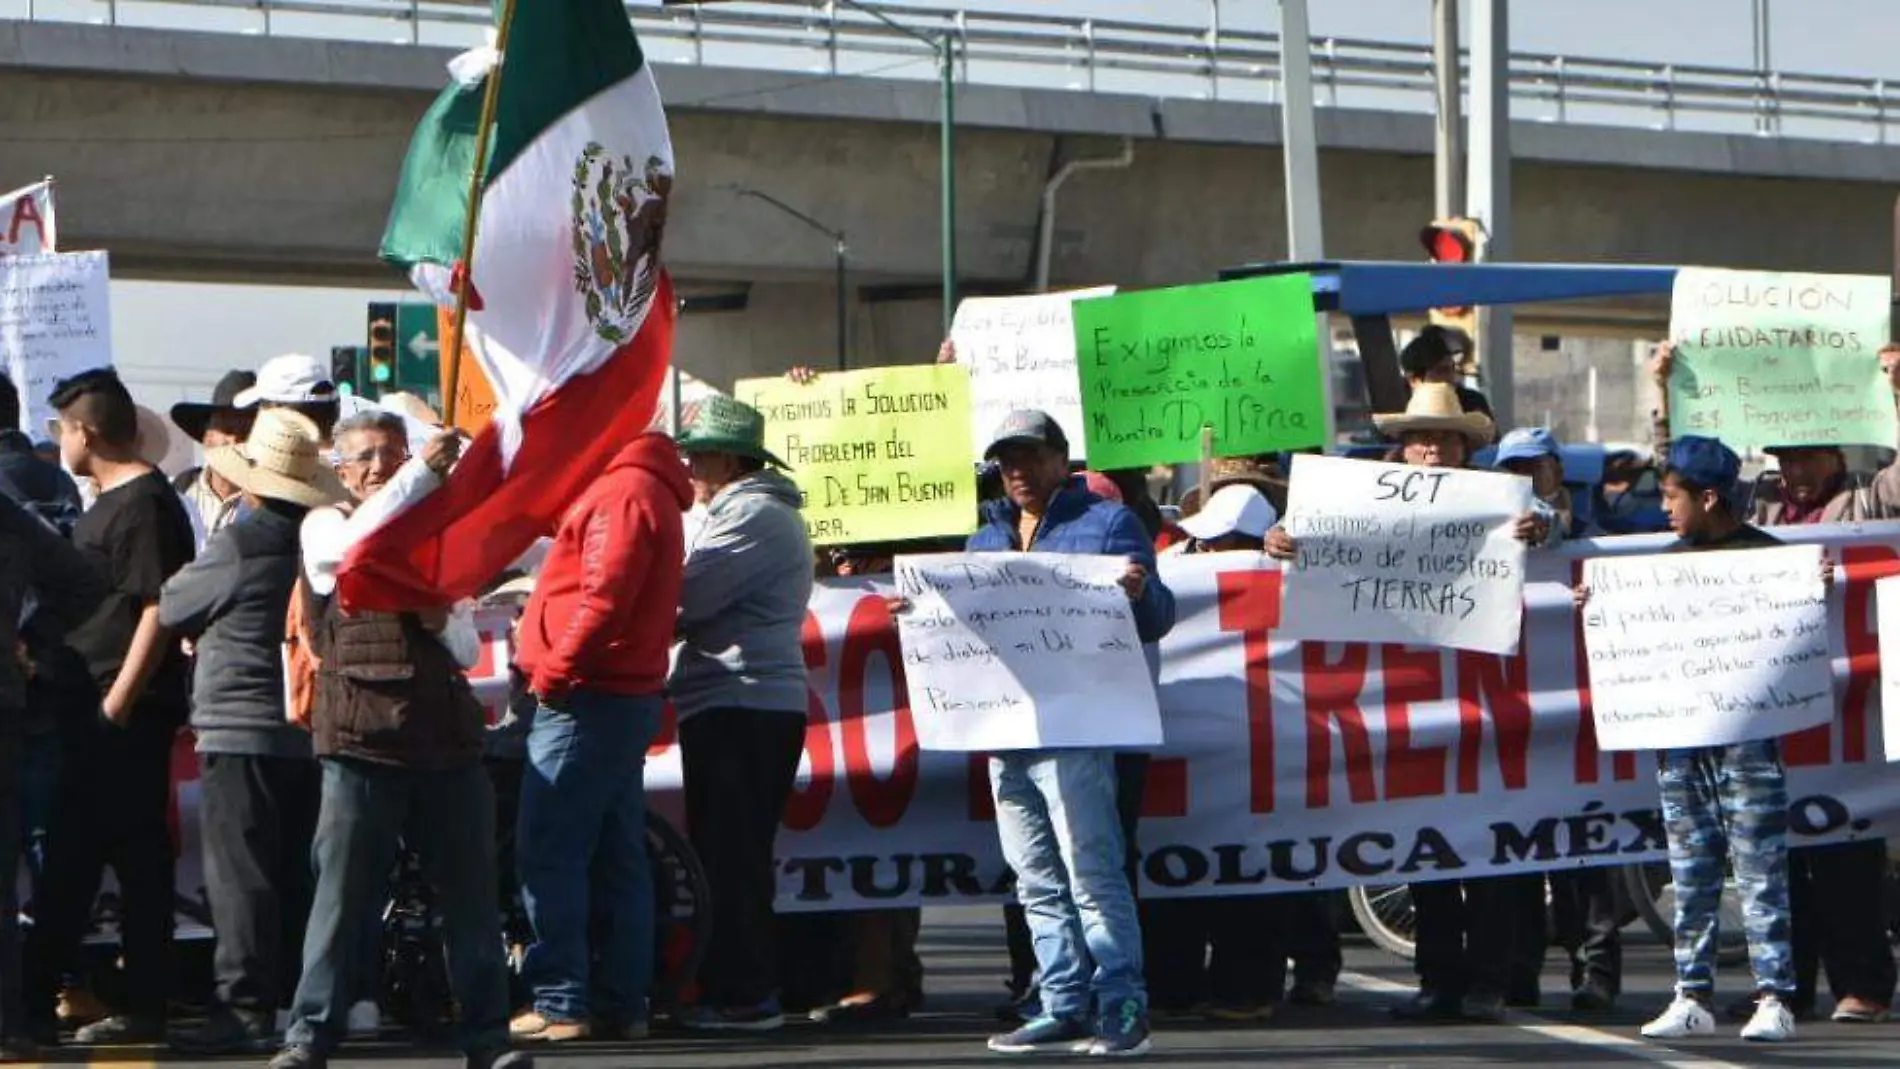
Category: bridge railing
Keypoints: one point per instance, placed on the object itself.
(820, 38)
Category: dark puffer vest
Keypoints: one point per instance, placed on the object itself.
(389, 692)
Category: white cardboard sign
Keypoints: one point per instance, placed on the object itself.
(1707, 649)
(1021, 354)
(1403, 554)
(55, 321)
(1887, 622)
(1023, 651)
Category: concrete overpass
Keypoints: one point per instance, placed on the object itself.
(216, 157)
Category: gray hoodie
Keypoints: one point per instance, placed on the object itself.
(742, 607)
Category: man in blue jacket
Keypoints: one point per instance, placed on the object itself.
(1055, 809)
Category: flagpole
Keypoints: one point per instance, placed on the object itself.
(490, 94)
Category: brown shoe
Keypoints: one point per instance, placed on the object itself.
(1856, 1010)
(79, 1007)
(531, 1027)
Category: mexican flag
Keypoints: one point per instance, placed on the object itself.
(571, 312)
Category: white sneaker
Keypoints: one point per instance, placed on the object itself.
(1685, 1017)
(365, 1020)
(1772, 1022)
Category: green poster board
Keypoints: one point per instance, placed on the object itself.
(1766, 359)
(1157, 365)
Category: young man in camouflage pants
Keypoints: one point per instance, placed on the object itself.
(1723, 802)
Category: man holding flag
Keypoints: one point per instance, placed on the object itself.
(552, 255)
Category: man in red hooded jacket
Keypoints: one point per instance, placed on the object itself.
(593, 645)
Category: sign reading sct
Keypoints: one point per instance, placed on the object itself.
(1158, 365)
(881, 454)
(55, 321)
(1021, 354)
(1402, 554)
(1780, 359)
(1707, 649)
(1023, 651)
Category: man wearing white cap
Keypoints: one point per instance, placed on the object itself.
(298, 382)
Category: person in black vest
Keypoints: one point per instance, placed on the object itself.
(399, 735)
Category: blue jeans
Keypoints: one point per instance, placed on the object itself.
(1062, 835)
(448, 818)
(1728, 803)
(582, 831)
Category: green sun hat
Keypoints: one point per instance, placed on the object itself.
(723, 425)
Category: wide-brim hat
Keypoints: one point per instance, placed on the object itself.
(280, 460)
(722, 425)
(193, 417)
(1435, 407)
(1223, 472)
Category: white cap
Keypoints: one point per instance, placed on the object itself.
(291, 379)
(1233, 509)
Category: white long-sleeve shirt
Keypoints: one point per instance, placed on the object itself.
(329, 534)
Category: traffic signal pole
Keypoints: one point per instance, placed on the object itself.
(1449, 154)
(1490, 194)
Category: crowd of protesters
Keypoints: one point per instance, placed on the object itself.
(331, 740)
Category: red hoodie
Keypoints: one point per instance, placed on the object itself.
(601, 617)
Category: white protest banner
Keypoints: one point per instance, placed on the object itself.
(1023, 651)
(1300, 766)
(1887, 604)
(55, 321)
(1396, 553)
(1021, 354)
(1765, 359)
(1706, 649)
(26, 220)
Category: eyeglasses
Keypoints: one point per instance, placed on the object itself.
(391, 454)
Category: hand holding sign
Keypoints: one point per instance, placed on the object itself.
(1395, 553)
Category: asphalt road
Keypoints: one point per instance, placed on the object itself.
(963, 957)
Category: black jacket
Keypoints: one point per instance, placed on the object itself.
(232, 601)
(39, 566)
(40, 485)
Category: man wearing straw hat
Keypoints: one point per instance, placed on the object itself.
(258, 806)
(1466, 928)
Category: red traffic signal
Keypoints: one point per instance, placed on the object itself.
(1450, 241)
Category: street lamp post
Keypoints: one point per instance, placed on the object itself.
(840, 249)
(945, 46)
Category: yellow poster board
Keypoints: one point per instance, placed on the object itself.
(881, 454)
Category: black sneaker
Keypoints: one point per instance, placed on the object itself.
(1594, 996)
(1046, 1035)
(1312, 993)
(1485, 1007)
(120, 1030)
(1122, 1032)
(1429, 1006)
(298, 1056)
(228, 1031)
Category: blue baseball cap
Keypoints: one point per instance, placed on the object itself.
(1704, 462)
(1526, 443)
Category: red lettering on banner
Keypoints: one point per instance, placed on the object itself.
(1500, 684)
(977, 783)
(1861, 565)
(669, 734)
(26, 211)
(1250, 604)
(882, 801)
(1411, 676)
(806, 807)
(1332, 693)
(1589, 757)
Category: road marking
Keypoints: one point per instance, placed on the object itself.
(1582, 1035)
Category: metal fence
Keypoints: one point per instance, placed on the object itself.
(820, 38)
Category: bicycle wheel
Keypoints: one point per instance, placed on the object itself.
(1385, 913)
(682, 906)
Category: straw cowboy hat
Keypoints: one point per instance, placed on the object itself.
(1434, 407)
(1236, 471)
(280, 461)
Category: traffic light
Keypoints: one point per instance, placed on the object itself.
(343, 369)
(1453, 241)
(381, 362)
